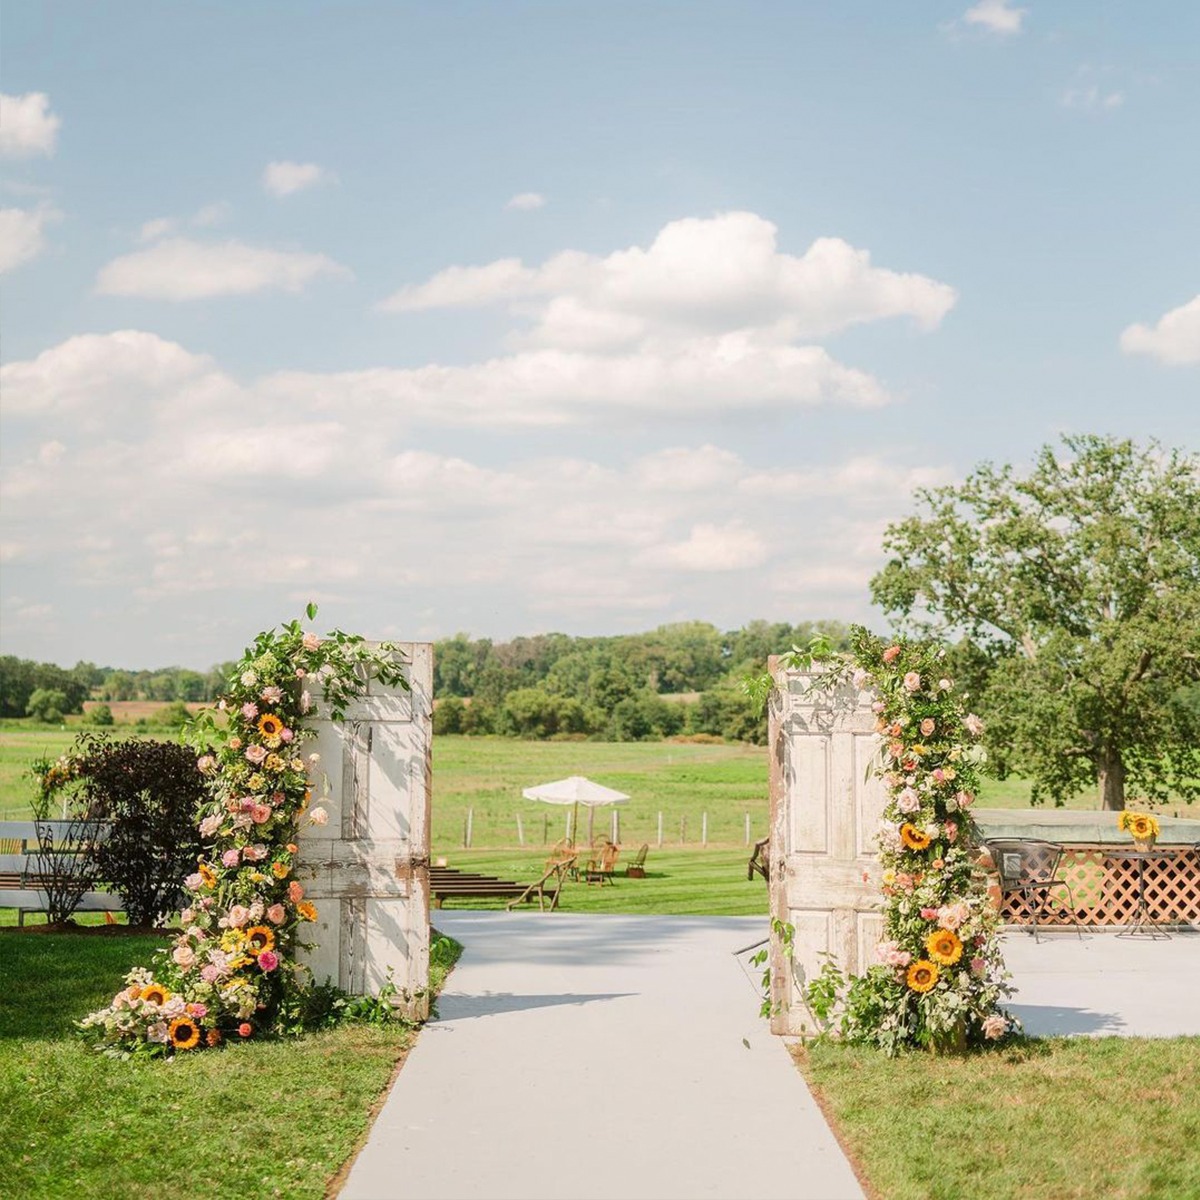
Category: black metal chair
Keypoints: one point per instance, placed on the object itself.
(1028, 868)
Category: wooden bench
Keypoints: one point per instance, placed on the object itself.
(21, 886)
(446, 883)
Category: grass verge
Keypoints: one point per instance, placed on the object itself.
(1060, 1117)
(253, 1120)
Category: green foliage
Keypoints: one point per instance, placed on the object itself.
(101, 716)
(1078, 585)
(785, 933)
(47, 704)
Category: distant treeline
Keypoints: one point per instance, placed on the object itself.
(21, 678)
(677, 679)
(627, 688)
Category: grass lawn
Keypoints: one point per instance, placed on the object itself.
(1056, 1117)
(254, 1120)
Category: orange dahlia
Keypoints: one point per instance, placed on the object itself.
(270, 726)
(185, 1033)
(922, 975)
(913, 837)
(260, 937)
(944, 946)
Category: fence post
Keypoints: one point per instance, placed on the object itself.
(660, 840)
(616, 828)
(682, 830)
(467, 829)
(520, 830)
(545, 828)
(747, 829)
(704, 830)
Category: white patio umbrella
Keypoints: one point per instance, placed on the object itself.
(575, 790)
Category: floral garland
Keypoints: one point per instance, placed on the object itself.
(941, 976)
(232, 972)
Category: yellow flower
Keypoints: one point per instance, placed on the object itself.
(269, 726)
(944, 946)
(206, 873)
(1140, 825)
(185, 1033)
(922, 975)
(257, 782)
(281, 870)
(259, 938)
(273, 763)
(307, 910)
(913, 837)
(155, 993)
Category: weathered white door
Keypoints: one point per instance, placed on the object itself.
(826, 805)
(367, 869)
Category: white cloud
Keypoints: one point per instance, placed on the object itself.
(183, 269)
(1092, 98)
(526, 201)
(286, 178)
(719, 274)
(27, 126)
(731, 546)
(1174, 340)
(151, 231)
(996, 16)
(22, 234)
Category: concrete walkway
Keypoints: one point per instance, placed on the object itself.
(599, 1056)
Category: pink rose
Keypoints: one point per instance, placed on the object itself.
(255, 853)
(194, 882)
(310, 641)
(268, 960)
(205, 763)
(260, 814)
(891, 654)
(256, 754)
(238, 916)
(951, 828)
(939, 776)
(276, 914)
(318, 816)
(928, 726)
(249, 710)
(184, 956)
(929, 914)
(908, 801)
(965, 799)
(295, 892)
(878, 706)
(973, 725)
(272, 694)
(209, 973)
(912, 682)
(230, 858)
(286, 735)
(994, 1027)
(187, 916)
(944, 685)
(210, 825)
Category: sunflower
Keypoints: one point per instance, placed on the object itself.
(185, 1033)
(259, 937)
(155, 993)
(281, 870)
(269, 726)
(922, 975)
(307, 910)
(944, 946)
(914, 838)
(206, 873)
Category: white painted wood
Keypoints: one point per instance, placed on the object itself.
(367, 868)
(825, 810)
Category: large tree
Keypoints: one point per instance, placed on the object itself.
(1081, 582)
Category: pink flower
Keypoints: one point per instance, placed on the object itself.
(318, 816)
(209, 973)
(235, 743)
(210, 825)
(978, 966)
(268, 960)
(912, 682)
(184, 955)
(256, 754)
(878, 706)
(951, 916)
(928, 726)
(230, 858)
(939, 776)
(974, 726)
(205, 763)
(157, 1032)
(890, 953)
(272, 694)
(255, 853)
(286, 735)
(295, 892)
(951, 828)
(891, 654)
(994, 1027)
(944, 685)
(260, 814)
(197, 1010)
(194, 882)
(310, 641)
(238, 916)
(908, 801)
(249, 710)
(245, 1029)
(860, 678)
(187, 916)
(929, 914)
(276, 914)
(965, 799)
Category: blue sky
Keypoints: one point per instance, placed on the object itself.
(515, 317)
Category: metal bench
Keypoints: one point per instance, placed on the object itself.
(21, 885)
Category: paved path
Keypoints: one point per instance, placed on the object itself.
(599, 1056)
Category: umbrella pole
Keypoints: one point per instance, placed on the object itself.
(591, 824)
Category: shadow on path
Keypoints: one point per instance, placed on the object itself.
(460, 1007)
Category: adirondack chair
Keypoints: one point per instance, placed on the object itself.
(600, 868)
(636, 867)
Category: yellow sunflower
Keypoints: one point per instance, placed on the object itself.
(922, 975)
(270, 726)
(185, 1033)
(206, 873)
(307, 910)
(155, 993)
(913, 837)
(259, 938)
(944, 946)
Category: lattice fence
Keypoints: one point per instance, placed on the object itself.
(1104, 885)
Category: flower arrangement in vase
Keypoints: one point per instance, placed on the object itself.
(1142, 827)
